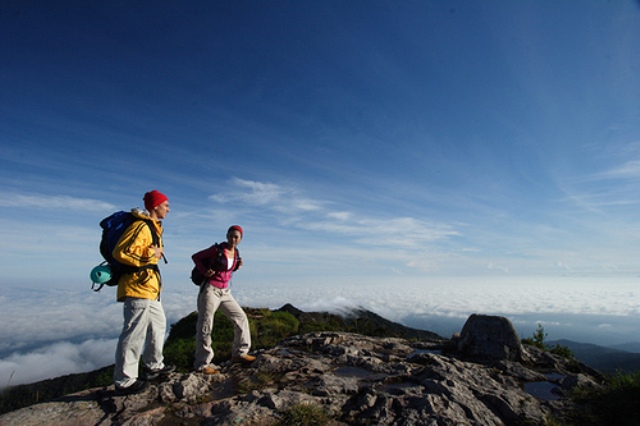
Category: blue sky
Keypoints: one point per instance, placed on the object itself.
(408, 137)
(359, 144)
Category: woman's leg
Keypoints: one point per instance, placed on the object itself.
(208, 302)
(241, 333)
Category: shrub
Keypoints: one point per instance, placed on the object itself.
(273, 327)
(303, 415)
(180, 353)
(538, 339)
(267, 329)
(615, 403)
(179, 349)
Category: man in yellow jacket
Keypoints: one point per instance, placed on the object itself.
(140, 247)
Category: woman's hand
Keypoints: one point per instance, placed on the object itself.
(209, 273)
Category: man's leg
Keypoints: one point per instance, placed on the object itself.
(152, 356)
(131, 341)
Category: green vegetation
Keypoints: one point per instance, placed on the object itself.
(258, 381)
(538, 339)
(267, 329)
(303, 415)
(615, 403)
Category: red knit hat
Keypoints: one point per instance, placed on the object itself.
(235, 228)
(153, 199)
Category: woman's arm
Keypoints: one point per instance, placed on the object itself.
(204, 258)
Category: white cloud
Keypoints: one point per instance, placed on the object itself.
(341, 216)
(58, 202)
(561, 265)
(258, 193)
(494, 267)
(40, 327)
(627, 170)
(56, 360)
(273, 196)
(314, 215)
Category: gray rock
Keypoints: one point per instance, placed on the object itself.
(353, 379)
(491, 337)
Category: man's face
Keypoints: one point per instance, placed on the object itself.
(162, 210)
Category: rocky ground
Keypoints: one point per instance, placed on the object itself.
(482, 377)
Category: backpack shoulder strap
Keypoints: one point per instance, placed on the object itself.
(154, 235)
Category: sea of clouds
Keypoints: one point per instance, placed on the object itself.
(47, 333)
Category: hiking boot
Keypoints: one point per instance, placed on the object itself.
(209, 369)
(244, 358)
(148, 374)
(137, 387)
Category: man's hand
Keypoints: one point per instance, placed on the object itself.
(157, 251)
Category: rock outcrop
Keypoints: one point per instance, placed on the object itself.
(481, 378)
(489, 337)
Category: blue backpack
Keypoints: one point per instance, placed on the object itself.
(112, 229)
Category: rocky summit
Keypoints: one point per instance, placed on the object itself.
(483, 376)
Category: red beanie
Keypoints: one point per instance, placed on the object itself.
(153, 199)
(235, 228)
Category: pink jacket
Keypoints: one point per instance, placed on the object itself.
(215, 258)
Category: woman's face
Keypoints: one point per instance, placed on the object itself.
(234, 237)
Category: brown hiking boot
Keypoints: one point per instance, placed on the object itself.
(209, 369)
(244, 358)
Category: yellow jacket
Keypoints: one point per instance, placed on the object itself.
(134, 249)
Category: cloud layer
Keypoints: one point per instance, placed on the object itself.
(73, 332)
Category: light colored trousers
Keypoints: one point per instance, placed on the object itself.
(210, 299)
(142, 335)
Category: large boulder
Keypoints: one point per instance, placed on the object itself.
(489, 337)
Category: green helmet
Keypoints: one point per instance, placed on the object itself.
(100, 274)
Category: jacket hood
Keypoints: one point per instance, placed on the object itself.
(140, 213)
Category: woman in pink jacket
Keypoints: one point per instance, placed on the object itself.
(217, 264)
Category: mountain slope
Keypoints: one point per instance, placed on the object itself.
(268, 328)
(601, 358)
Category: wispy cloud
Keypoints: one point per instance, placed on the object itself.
(627, 170)
(310, 214)
(57, 202)
(273, 196)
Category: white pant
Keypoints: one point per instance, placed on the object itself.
(210, 299)
(144, 328)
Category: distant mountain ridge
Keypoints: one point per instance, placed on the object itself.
(628, 347)
(604, 359)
